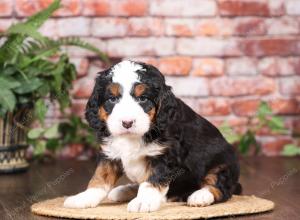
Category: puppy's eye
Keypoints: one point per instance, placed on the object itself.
(142, 99)
(113, 99)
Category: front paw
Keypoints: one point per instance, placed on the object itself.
(87, 199)
(202, 197)
(143, 205)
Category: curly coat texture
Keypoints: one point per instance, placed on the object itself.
(195, 154)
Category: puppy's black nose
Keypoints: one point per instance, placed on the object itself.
(127, 124)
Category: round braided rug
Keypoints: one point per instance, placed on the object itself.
(237, 205)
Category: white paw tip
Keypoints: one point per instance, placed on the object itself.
(87, 199)
(140, 205)
(202, 197)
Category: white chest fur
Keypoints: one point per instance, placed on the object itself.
(132, 151)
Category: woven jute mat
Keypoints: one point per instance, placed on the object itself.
(237, 205)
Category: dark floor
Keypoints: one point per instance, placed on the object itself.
(277, 179)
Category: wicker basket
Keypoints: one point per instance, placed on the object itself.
(13, 143)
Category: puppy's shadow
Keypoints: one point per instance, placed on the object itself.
(111, 203)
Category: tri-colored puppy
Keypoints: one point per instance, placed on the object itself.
(157, 141)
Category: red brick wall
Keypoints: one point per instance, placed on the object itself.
(221, 56)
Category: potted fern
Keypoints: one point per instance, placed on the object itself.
(33, 70)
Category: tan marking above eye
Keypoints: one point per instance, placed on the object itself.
(114, 89)
(103, 115)
(139, 89)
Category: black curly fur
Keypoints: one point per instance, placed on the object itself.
(96, 99)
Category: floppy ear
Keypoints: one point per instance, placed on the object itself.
(96, 99)
(166, 103)
(166, 112)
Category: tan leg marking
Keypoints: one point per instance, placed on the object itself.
(104, 178)
(210, 182)
(106, 174)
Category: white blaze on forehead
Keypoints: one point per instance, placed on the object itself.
(125, 74)
(127, 108)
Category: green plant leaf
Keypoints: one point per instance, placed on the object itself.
(26, 56)
(31, 25)
(7, 99)
(76, 41)
(38, 54)
(267, 119)
(40, 147)
(40, 110)
(57, 74)
(29, 86)
(230, 135)
(9, 70)
(246, 141)
(12, 46)
(35, 133)
(23, 99)
(52, 132)
(7, 82)
(52, 144)
(39, 18)
(64, 101)
(263, 111)
(275, 123)
(290, 150)
(44, 90)
(2, 112)
(23, 29)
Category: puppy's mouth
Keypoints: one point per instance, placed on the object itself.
(129, 132)
(126, 132)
